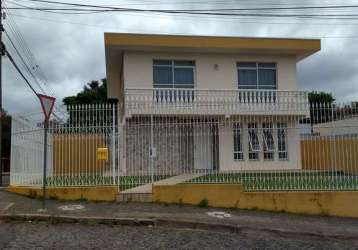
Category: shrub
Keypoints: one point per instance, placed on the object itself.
(204, 203)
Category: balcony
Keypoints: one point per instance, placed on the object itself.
(162, 101)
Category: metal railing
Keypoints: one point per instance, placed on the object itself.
(214, 102)
(261, 152)
(73, 148)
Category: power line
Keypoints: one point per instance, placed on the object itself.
(216, 9)
(23, 76)
(210, 12)
(150, 16)
(23, 61)
(19, 71)
(40, 77)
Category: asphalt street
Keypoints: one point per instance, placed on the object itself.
(41, 235)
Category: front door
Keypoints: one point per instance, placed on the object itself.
(203, 148)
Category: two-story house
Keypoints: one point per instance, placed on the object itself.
(202, 103)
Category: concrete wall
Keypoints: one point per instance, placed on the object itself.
(138, 68)
(173, 144)
(233, 196)
(340, 127)
(114, 61)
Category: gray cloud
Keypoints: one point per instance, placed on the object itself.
(71, 55)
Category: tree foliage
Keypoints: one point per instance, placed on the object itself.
(93, 92)
(321, 107)
(315, 97)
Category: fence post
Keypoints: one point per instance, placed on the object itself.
(151, 149)
(45, 165)
(113, 143)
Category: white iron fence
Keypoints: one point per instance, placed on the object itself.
(74, 146)
(262, 152)
(27, 152)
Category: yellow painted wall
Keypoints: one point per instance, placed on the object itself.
(77, 154)
(232, 196)
(325, 154)
(105, 193)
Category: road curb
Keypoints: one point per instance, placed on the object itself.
(169, 223)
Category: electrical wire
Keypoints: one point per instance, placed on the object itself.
(19, 71)
(209, 12)
(31, 61)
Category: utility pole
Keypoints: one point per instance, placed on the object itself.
(2, 50)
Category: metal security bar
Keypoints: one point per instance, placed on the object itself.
(83, 150)
(26, 162)
(262, 152)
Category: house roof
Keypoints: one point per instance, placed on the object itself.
(126, 41)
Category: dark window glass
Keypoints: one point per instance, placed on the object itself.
(162, 75)
(162, 62)
(256, 75)
(282, 141)
(238, 154)
(268, 141)
(183, 77)
(254, 144)
(184, 63)
(247, 78)
(173, 74)
(267, 78)
(267, 65)
(246, 64)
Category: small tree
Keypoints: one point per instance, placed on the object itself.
(94, 92)
(321, 107)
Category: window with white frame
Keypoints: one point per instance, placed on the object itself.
(173, 73)
(254, 144)
(282, 141)
(256, 75)
(268, 141)
(237, 132)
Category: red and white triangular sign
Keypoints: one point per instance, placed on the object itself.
(47, 103)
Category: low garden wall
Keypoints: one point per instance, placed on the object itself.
(337, 203)
(104, 193)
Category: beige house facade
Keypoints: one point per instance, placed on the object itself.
(216, 103)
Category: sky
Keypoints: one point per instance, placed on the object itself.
(69, 49)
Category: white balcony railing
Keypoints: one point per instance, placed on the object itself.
(215, 102)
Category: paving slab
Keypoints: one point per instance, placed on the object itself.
(147, 188)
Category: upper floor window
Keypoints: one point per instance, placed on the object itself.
(173, 74)
(254, 75)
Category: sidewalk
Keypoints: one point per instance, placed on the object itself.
(18, 207)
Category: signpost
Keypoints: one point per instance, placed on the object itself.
(47, 103)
